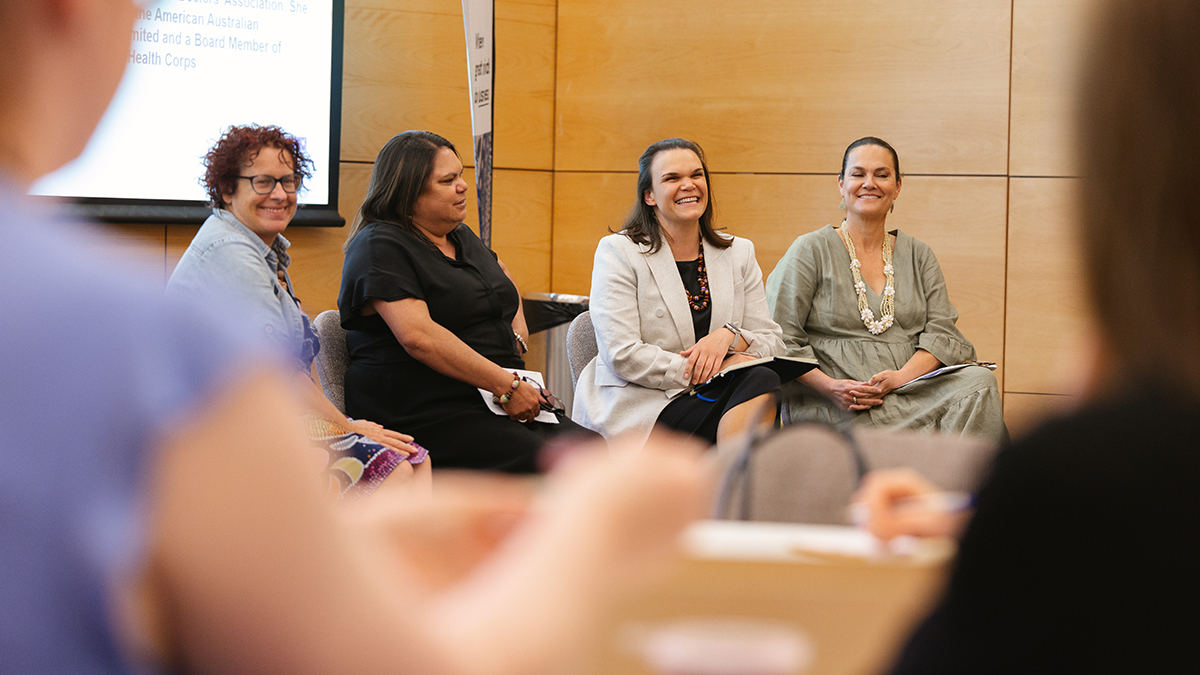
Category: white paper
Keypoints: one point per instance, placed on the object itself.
(942, 371)
(741, 540)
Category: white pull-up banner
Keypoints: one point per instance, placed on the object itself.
(481, 54)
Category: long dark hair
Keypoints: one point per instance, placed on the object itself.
(399, 175)
(641, 225)
(1138, 112)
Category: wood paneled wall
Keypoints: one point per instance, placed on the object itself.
(975, 95)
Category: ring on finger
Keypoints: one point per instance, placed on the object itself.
(855, 400)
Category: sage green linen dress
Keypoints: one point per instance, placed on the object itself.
(811, 295)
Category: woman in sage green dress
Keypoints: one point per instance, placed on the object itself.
(871, 307)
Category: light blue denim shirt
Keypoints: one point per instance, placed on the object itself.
(230, 263)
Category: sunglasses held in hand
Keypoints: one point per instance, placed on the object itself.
(552, 403)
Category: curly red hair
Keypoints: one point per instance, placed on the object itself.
(237, 148)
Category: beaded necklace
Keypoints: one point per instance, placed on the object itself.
(887, 308)
(699, 301)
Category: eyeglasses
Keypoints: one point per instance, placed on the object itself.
(265, 185)
(553, 403)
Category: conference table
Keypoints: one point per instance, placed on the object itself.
(774, 599)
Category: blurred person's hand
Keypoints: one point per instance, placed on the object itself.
(437, 540)
(631, 503)
(604, 523)
(627, 506)
(898, 502)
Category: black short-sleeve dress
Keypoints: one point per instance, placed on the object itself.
(474, 299)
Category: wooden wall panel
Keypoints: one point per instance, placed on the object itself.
(521, 212)
(137, 245)
(782, 86)
(354, 179)
(526, 32)
(178, 238)
(1047, 38)
(406, 68)
(317, 260)
(1046, 302)
(586, 207)
(775, 90)
(962, 219)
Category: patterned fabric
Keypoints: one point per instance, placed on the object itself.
(356, 465)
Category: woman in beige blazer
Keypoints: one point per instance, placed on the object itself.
(674, 303)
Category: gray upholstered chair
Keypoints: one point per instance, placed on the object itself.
(807, 473)
(581, 344)
(332, 359)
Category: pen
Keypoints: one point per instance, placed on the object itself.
(943, 502)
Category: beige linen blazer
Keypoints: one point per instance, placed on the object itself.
(642, 320)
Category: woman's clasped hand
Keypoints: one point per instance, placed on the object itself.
(852, 395)
(524, 400)
(708, 357)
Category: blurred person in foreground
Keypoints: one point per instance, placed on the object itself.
(155, 516)
(239, 260)
(1080, 554)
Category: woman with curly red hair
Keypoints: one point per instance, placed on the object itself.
(253, 176)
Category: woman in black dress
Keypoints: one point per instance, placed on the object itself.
(432, 316)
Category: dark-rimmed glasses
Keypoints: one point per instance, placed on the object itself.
(265, 185)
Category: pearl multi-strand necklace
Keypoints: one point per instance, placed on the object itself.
(887, 308)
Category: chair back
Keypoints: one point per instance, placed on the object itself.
(581, 344)
(807, 473)
(333, 358)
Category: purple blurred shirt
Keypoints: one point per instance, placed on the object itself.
(94, 364)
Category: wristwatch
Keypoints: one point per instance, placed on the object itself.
(737, 333)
